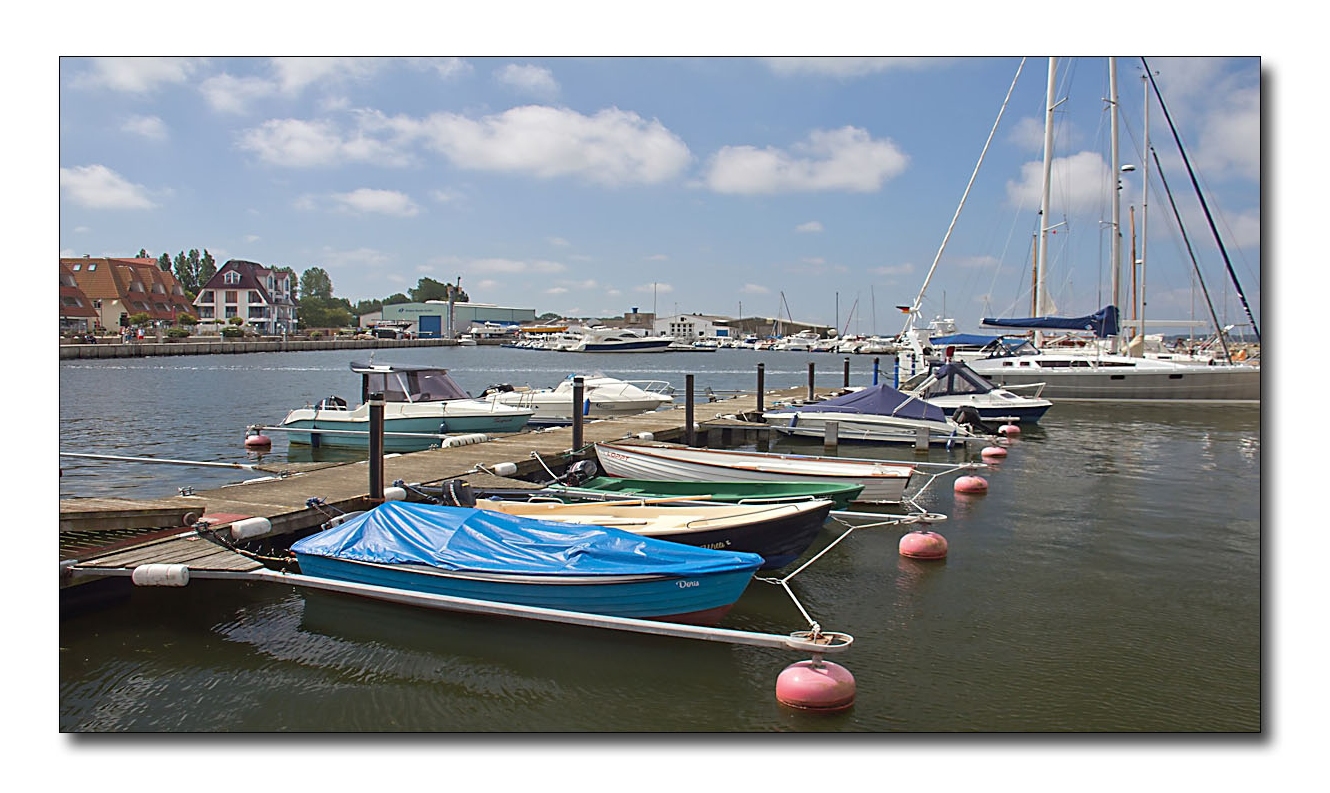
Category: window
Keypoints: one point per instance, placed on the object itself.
(206, 296)
(78, 267)
(231, 277)
(231, 296)
(254, 297)
(92, 266)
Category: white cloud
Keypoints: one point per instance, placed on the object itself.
(542, 266)
(612, 147)
(535, 80)
(846, 159)
(558, 242)
(98, 187)
(848, 67)
(293, 143)
(754, 289)
(894, 269)
(556, 290)
(137, 75)
(654, 288)
(150, 127)
(382, 202)
(1230, 137)
(811, 227)
(227, 94)
(1078, 184)
(294, 75)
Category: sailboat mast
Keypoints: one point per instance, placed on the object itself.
(1041, 260)
(1145, 191)
(1116, 165)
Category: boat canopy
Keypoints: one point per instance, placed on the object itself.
(407, 383)
(950, 379)
(484, 541)
(1103, 323)
(962, 340)
(880, 400)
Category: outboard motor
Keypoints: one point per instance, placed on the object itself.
(968, 416)
(579, 472)
(457, 493)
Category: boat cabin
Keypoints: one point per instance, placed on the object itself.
(407, 383)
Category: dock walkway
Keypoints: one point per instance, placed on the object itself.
(119, 534)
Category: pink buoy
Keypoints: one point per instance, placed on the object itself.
(993, 451)
(923, 545)
(257, 441)
(971, 484)
(816, 685)
(1009, 429)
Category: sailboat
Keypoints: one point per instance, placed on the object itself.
(1097, 371)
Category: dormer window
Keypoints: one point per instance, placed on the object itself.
(231, 277)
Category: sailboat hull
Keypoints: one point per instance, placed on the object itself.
(1118, 379)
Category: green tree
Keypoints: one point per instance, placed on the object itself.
(315, 282)
(207, 269)
(396, 299)
(164, 262)
(141, 318)
(316, 312)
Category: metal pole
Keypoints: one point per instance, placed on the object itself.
(761, 385)
(579, 387)
(847, 371)
(876, 365)
(376, 446)
(688, 410)
(810, 381)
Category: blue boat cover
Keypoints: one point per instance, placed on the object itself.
(476, 540)
(879, 400)
(962, 340)
(1103, 323)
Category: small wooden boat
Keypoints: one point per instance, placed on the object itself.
(840, 494)
(882, 481)
(488, 555)
(779, 533)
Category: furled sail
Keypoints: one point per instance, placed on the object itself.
(1103, 323)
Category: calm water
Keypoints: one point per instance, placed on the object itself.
(1109, 581)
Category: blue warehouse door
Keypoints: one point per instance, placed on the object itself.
(431, 327)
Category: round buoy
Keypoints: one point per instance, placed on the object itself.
(971, 484)
(993, 451)
(816, 685)
(923, 545)
(257, 441)
(1009, 429)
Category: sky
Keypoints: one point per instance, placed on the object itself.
(815, 189)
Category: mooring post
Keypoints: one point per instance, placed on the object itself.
(831, 437)
(876, 364)
(810, 381)
(579, 386)
(761, 386)
(689, 438)
(847, 372)
(375, 401)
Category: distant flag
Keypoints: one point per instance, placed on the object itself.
(903, 309)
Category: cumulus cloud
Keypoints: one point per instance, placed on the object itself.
(150, 127)
(1078, 184)
(535, 80)
(654, 288)
(226, 93)
(293, 143)
(137, 75)
(846, 159)
(754, 289)
(612, 147)
(99, 187)
(811, 227)
(381, 202)
(517, 266)
(294, 75)
(847, 67)
(894, 269)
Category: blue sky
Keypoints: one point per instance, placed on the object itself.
(586, 186)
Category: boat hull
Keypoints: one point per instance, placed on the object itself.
(882, 482)
(841, 495)
(1087, 380)
(695, 600)
(432, 419)
(864, 428)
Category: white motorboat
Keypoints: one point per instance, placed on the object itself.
(602, 396)
(883, 481)
(599, 338)
(954, 385)
(421, 404)
(876, 414)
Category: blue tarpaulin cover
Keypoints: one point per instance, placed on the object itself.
(1103, 323)
(881, 400)
(962, 339)
(476, 540)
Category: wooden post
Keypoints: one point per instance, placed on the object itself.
(375, 401)
(761, 386)
(876, 366)
(689, 438)
(579, 386)
(830, 437)
(810, 381)
(847, 371)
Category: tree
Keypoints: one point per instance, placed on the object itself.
(207, 269)
(319, 313)
(164, 262)
(315, 283)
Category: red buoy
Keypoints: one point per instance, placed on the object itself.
(993, 451)
(816, 685)
(923, 545)
(1009, 429)
(257, 441)
(971, 484)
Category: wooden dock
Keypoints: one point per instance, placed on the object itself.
(113, 536)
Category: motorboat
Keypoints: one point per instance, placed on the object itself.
(876, 414)
(421, 404)
(602, 396)
(599, 338)
(882, 481)
(484, 554)
(954, 385)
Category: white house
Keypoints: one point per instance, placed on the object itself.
(264, 298)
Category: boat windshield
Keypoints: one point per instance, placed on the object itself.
(422, 385)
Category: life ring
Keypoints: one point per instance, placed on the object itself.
(1240, 355)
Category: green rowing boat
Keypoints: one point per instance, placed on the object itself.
(723, 492)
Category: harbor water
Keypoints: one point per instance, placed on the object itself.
(1109, 582)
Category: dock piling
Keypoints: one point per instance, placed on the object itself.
(375, 401)
(811, 393)
(689, 434)
(847, 372)
(761, 386)
(579, 390)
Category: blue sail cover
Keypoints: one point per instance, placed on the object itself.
(879, 400)
(1103, 323)
(962, 340)
(476, 540)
